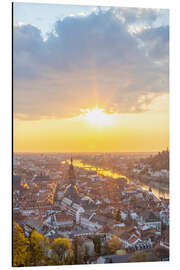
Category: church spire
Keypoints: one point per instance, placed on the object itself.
(71, 175)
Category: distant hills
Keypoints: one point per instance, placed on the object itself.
(159, 161)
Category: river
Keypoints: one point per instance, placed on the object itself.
(114, 175)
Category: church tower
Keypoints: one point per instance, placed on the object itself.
(71, 191)
(71, 174)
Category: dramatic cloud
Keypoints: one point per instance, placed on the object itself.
(130, 16)
(157, 42)
(88, 61)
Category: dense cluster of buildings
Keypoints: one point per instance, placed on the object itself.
(59, 201)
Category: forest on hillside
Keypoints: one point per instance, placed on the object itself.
(159, 161)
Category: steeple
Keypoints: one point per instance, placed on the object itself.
(71, 190)
(71, 175)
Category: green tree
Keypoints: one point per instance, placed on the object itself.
(86, 254)
(161, 252)
(75, 249)
(62, 251)
(97, 245)
(78, 252)
(132, 200)
(128, 219)
(20, 246)
(139, 256)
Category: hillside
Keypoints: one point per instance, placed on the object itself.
(159, 161)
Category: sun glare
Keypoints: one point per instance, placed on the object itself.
(97, 117)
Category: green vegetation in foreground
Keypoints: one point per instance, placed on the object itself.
(37, 250)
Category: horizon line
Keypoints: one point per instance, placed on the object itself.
(36, 152)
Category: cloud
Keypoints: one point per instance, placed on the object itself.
(87, 61)
(138, 15)
(156, 41)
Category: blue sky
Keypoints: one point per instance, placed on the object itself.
(44, 16)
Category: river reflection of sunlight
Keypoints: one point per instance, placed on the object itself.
(114, 175)
(99, 171)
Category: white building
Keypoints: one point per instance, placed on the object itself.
(92, 226)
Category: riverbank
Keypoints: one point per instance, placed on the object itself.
(109, 173)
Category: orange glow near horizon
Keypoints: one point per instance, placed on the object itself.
(127, 133)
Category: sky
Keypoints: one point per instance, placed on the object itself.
(90, 78)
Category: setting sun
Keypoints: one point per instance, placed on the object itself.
(97, 117)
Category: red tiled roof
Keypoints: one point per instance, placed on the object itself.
(63, 217)
(133, 239)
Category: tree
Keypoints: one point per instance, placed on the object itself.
(20, 246)
(113, 244)
(75, 248)
(138, 257)
(128, 219)
(62, 251)
(161, 252)
(97, 245)
(86, 254)
(78, 252)
(118, 216)
(38, 249)
(132, 200)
